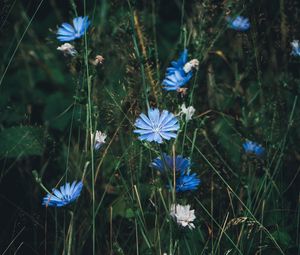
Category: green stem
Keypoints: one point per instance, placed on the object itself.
(44, 188)
(184, 134)
(90, 129)
(70, 234)
(173, 187)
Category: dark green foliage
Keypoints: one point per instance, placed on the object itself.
(22, 142)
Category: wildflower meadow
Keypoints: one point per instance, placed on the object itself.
(167, 127)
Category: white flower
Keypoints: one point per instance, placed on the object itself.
(183, 215)
(67, 49)
(189, 112)
(99, 139)
(295, 43)
(193, 64)
(295, 48)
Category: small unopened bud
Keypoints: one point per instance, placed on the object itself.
(36, 176)
(98, 60)
(182, 91)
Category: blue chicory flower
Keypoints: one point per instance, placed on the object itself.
(156, 126)
(67, 32)
(176, 80)
(187, 182)
(253, 148)
(184, 181)
(295, 48)
(179, 64)
(238, 23)
(182, 164)
(64, 196)
(176, 76)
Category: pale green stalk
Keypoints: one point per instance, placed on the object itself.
(90, 130)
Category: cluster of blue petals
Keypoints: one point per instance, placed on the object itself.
(185, 181)
(67, 32)
(176, 77)
(182, 164)
(238, 23)
(156, 126)
(253, 148)
(64, 196)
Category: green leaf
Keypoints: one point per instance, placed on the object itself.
(21, 141)
(58, 111)
(120, 208)
(282, 237)
(228, 138)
